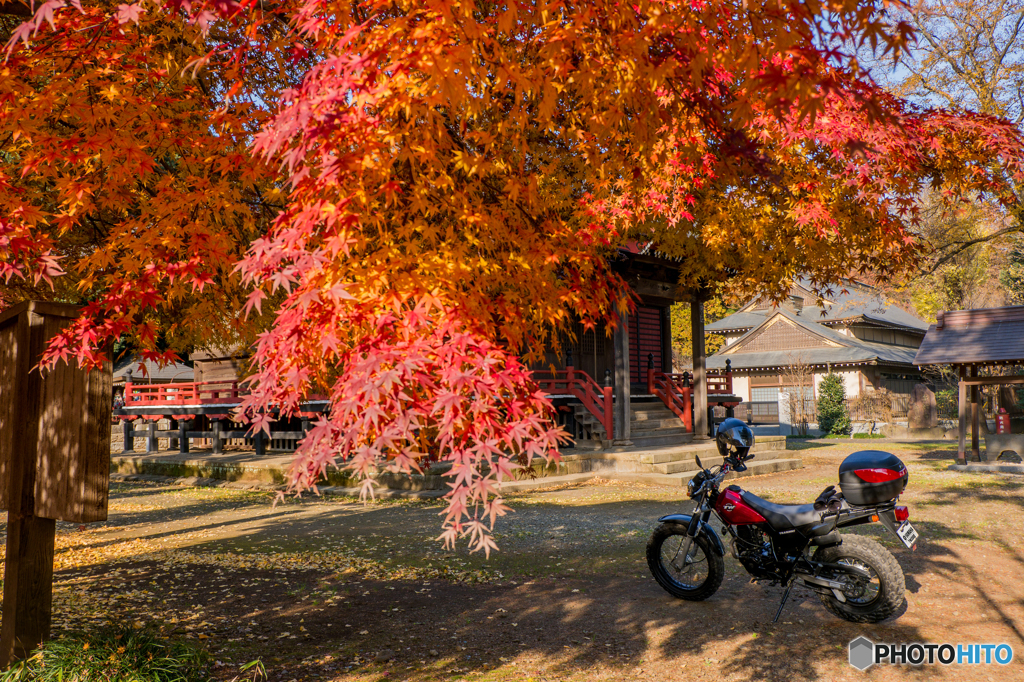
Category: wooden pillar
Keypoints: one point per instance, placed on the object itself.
(183, 425)
(127, 431)
(217, 426)
(975, 422)
(621, 405)
(259, 442)
(151, 442)
(700, 383)
(28, 585)
(961, 455)
(666, 341)
(28, 572)
(172, 443)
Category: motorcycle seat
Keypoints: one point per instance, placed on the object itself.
(782, 517)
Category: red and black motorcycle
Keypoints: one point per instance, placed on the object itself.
(856, 578)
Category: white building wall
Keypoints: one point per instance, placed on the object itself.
(851, 381)
(741, 386)
(731, 338)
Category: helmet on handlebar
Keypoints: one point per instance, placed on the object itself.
(733, 432)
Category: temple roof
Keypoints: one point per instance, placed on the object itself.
(987, 336)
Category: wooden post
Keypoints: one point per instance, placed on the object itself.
(172, 443)
(151, 443)
(218, 438)
(622, 387)
(700, 379)
(128, 431)
(975, 423)
(961, 455)
(666, 341)
(54, 463)
(259, 441)
(183, 426)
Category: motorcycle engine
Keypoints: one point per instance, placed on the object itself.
(753, 549)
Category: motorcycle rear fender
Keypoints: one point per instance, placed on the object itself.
(886, 516)
(684, 519)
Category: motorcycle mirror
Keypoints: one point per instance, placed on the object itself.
(698, 461)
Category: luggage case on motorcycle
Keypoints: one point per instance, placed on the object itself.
(872, 477)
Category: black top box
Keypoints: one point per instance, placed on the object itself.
(872, 477)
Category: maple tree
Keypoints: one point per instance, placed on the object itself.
(968, 56)
(453, 177)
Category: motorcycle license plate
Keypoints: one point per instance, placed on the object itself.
(907, 534)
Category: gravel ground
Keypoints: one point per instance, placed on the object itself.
(332, 589)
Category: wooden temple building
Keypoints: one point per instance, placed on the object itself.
(612, 388)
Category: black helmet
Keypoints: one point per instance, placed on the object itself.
(733, 432)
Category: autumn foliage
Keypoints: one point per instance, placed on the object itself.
(403, 200)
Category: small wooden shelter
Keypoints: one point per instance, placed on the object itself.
(969, 340)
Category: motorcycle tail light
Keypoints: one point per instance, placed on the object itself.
(902, 514)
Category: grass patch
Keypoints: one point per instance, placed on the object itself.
(121, 655)
(868, 435)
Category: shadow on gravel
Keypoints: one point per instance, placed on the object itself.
(601, 611)
(433, 629)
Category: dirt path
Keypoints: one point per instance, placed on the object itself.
(336, 590)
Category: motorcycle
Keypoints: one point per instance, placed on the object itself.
(855, 577)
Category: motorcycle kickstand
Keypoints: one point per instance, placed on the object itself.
(785, 596)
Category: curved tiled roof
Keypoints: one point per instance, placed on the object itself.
(153, 372)
(850, 350)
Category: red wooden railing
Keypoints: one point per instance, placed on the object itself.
(673, 390)
(719, 383)
(595, 398)
(197, 393)
(676, 390)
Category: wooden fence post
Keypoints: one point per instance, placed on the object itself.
(54, 463)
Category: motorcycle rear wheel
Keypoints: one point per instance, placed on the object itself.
(693, 580)
(871, 601)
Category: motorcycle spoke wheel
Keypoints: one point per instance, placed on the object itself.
(861, 591)
(691, 569)
(868, 600)
(686, 568)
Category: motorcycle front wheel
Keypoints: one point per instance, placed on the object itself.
(868, 600)
(687, 570)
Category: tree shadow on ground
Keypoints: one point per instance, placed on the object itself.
(606, 616)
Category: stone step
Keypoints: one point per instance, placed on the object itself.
(660, 438)
(661, 412)
(754, 468)
(654, 424)
(690, 463)
(587, 446)
(661, 456)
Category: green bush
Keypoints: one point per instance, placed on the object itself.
(833, 417)
(122, 655)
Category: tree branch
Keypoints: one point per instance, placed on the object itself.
(961, 246)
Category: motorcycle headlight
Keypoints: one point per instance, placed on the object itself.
(692, 487)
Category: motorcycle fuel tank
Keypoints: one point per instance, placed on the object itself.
(734, 510)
